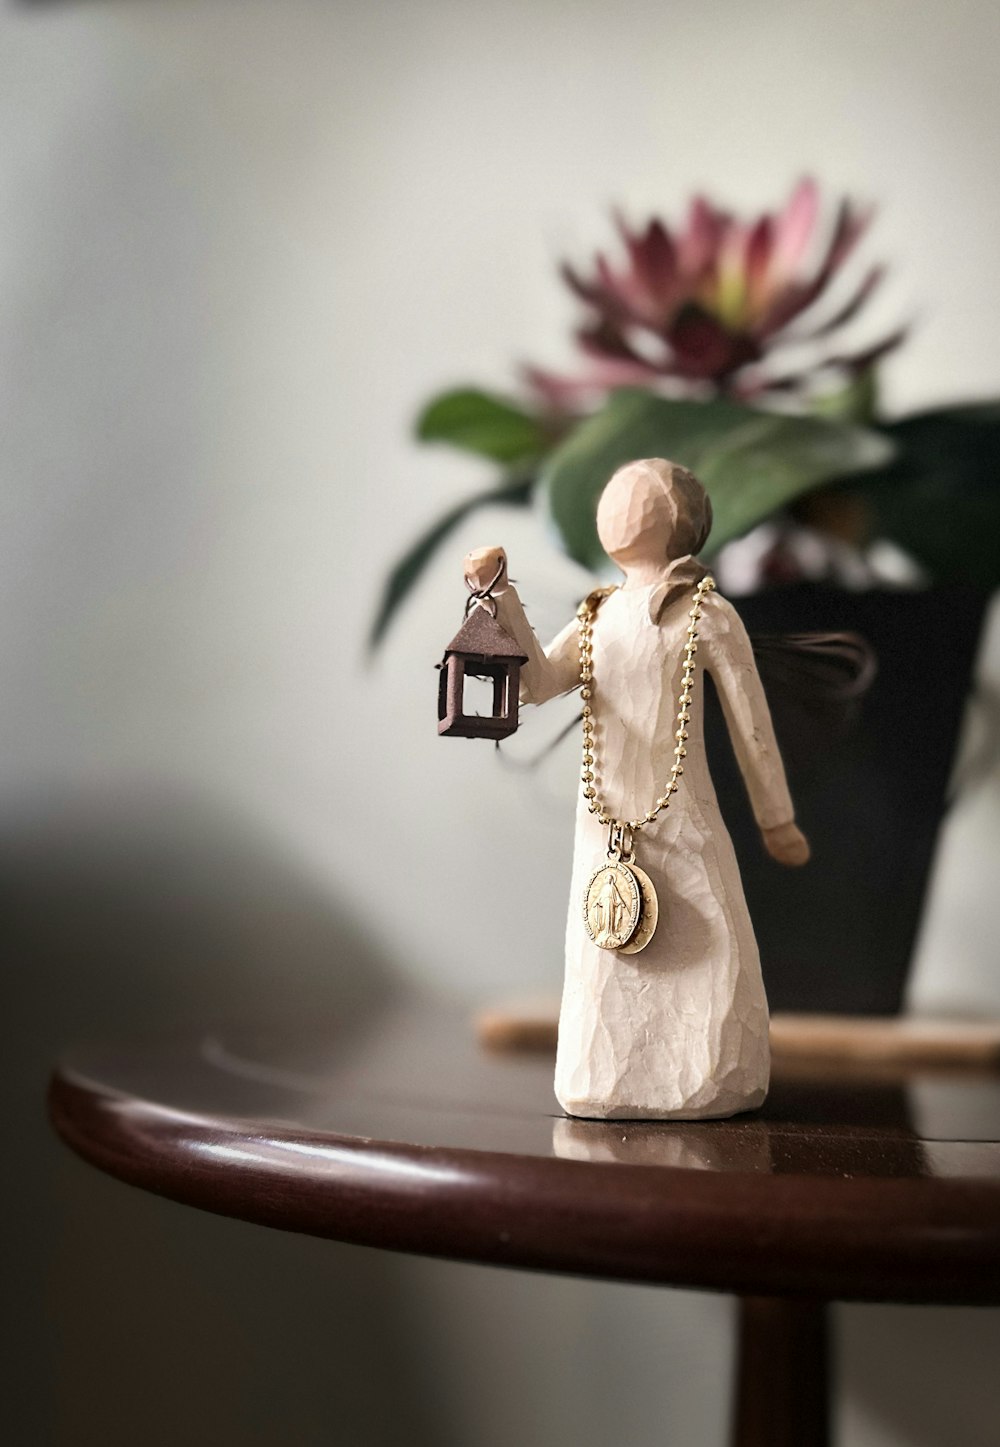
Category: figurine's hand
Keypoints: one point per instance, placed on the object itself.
(482, 566)
(786, 843)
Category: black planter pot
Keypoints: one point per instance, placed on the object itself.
(838, 935)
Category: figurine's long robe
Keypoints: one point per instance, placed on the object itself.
(679, 1030)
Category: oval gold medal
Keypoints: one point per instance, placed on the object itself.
(612, 905)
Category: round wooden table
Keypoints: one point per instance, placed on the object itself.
(399, 1131)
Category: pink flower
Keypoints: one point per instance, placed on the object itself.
(699, 309)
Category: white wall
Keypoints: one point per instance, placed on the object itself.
(241, 242)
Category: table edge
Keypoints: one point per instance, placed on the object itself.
(929, 1240)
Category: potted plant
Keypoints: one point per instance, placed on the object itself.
(715, 344)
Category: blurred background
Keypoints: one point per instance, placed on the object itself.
(239, 244)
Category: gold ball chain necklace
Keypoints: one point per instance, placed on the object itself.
(620, 907)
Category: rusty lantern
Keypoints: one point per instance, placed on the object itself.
(482, 648)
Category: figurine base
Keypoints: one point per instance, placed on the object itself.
(594, 1110)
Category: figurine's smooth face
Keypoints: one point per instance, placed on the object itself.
(638, 515)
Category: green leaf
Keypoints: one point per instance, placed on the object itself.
(856, 401)
(939, 499)
(488, 426)
(411, 565)
(751, 462)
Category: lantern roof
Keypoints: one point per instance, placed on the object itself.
(481, 635)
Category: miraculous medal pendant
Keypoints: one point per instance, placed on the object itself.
(612, 905)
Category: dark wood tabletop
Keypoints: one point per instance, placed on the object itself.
(397, 1130)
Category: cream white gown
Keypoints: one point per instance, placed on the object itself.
(679, 1031)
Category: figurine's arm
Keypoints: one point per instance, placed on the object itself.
(727, 654)
(548, 672)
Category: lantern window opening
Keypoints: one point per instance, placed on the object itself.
(488, 696)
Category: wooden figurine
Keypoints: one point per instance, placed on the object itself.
(663, 1014)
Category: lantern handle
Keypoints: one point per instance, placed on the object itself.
(483, 597)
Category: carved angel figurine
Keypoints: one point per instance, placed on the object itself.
(679, 1029)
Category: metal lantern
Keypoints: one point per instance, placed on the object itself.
(482, 648)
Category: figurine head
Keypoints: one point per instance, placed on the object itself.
(653, 511)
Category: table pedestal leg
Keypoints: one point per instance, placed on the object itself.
(782, 1397)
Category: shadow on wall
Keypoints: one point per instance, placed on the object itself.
(154, 912)
(140, 1320)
